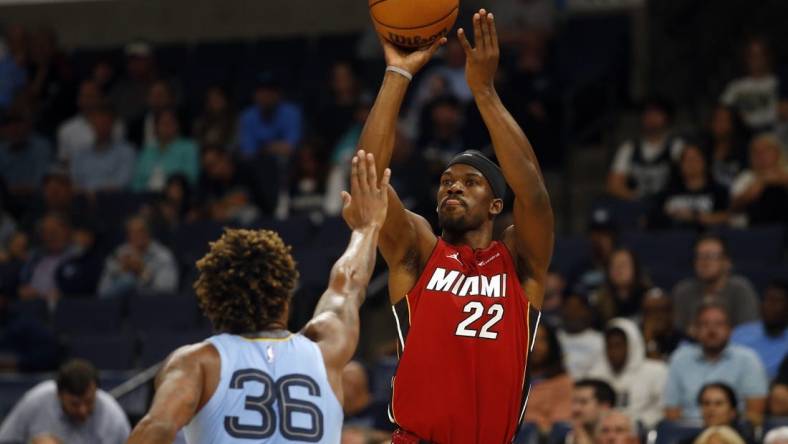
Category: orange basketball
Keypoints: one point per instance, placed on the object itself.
(413, 23)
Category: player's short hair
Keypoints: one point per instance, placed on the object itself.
(246, 280)
(75, 376)
(603, 392)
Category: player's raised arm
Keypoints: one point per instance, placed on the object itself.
(179, 394)
(400, 233)
(335, 325)
(532, 235)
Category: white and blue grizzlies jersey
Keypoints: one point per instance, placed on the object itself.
(271, 391)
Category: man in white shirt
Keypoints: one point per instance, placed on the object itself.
(642, 166)
(755, 95)
(71, 409)
(76, 134)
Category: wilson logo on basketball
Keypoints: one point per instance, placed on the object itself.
(415, 41)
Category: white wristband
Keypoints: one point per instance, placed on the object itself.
(400, 71)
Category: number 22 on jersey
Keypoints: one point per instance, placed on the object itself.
(476, 309)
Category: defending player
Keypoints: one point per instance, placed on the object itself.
(256, 380)
(466, 305)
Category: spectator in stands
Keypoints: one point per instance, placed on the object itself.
(624, 287)
(335, 111)
(549, 400)
(217, 125)
(171, 154)
(12, 66)
(24, 155)
(72, 408)
(51, 82)
(715, 359)
(77, 133)
(592, 399)
(140, 265)
(360, 409)
(583, 346)
(616, 427)
(107, 164)
(517, 17)
(777, 436)
(726, 145)
(693, 199)
(768, 336)
(271, 127)
(129, 93)
(230, 190)
(39, 274)
(778, 400)
(602, 235)
(755, 95)
(452, 71)
(176, 205)
(713, 281)
(103, 75)
(441, 136)
(554, 291)
(307, 184)
(719, 435)
(57, 196)
(639, 382)
(659, 331)
(642, 166)
(538, 104)
(78, 275)
(14, 257)
(160, 97)
(718, 406)
(761, 192)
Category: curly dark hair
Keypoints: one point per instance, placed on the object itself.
(246, 280)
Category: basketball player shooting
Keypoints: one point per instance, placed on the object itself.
(256, 381)
(466, 305)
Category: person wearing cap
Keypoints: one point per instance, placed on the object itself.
(128, 95)
(270, 126)
(466, 305)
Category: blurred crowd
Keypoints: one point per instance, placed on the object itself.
(616, 356)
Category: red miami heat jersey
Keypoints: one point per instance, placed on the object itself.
(465, 331)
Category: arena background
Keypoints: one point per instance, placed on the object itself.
(597, 62)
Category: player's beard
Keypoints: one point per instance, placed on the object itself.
(456, 223)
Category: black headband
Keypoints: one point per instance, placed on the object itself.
(487, 167)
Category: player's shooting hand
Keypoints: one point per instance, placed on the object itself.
(481, 62)
(411, 61)
(367, 202)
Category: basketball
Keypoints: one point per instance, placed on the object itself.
(413, 23)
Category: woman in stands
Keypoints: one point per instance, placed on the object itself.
(718, 403)
(625, 285)
(693, 199)
(762, 191)
(725, 145)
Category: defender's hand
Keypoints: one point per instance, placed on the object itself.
(368, 200)
(409, 61)
(481, 62)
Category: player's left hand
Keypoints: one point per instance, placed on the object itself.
(367, 202)
(481, 62)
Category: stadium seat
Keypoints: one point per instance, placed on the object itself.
(559, 432)
(757, 244)
(74, 316)
(156, 347)
(625, 215)
(659, 248)
(774, 422)
(760, 274)
(570, 253)
(117, 206)
(296, 231)
(31, 309)
(333, 231)
(13, 387)
(106, 352)
(669, 432)
(163, 312)
(528, 434)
